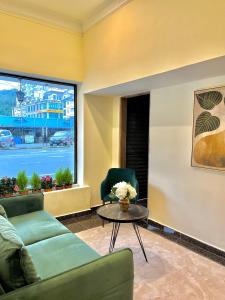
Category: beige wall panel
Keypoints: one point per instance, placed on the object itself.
(68, 201)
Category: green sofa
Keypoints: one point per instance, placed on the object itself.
(67, 266)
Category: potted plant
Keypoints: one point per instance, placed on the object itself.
(12, 186)
(68, 178)
(1, 188)
(46, 183)
(35, 182)
(7, 186)
(59, 177)
(22, 182)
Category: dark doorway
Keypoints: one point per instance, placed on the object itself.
(135, 139)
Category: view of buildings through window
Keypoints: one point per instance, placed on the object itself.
(37, 126)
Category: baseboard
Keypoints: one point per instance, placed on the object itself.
(78, 214)
(190, 242)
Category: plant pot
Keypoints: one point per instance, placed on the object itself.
(8, 195)
(36, 191)
(59, 187)
(23, 192)
(48, 190)
(124, 204)
(68, 186)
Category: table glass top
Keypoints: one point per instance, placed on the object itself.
(112, 212)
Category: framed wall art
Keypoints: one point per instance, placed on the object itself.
(208, 142)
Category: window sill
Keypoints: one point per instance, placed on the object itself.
(74, 187)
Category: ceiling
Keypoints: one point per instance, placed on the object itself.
(70, 14)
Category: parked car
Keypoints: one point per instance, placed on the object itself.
(63, 138)
(6, 139)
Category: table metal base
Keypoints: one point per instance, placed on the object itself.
(115, 230)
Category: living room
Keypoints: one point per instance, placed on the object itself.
(115, 49)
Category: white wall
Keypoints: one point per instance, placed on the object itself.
(190, 200)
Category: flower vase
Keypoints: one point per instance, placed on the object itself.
(124, 204)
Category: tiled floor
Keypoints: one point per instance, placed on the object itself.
(81, 223)
(91, 220)
(173, 271)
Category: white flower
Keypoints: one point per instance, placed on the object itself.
(121, 192)
(124, 190)
(132, 192)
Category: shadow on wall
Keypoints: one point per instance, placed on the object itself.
(98, 122)
(100, 115)
(158, 205)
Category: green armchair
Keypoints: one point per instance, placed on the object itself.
(115, 175)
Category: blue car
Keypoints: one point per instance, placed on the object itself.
(6, 139)
(61, 138)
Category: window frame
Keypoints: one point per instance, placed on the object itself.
(21, 77)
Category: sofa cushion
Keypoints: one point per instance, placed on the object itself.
(16, 266)
(59, 254)
(2, 212)
(37, 226)
(26, 263)
(10, 244)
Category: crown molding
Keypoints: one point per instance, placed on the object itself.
(42, 17)
(103, 13)
(58, 20)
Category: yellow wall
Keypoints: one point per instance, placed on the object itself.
(27, 46)
(147, 37)
(67, 201)
(99, 141)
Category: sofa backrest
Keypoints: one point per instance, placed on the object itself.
(20, 205)
(116, 175)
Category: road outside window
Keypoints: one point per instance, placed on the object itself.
(37, 127)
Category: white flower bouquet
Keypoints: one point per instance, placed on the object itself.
(123, 190)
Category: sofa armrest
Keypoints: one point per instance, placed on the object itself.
(109, 277)
(20, 205)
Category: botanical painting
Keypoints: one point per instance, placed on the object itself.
(208, 149)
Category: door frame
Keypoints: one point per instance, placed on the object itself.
(123, 125)
(123, 131)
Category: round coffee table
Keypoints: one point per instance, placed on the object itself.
(112, 213)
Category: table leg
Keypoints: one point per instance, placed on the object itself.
(139, 239)
(114, 234)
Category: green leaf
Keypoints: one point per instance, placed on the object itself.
(209, 100)
(206, 122)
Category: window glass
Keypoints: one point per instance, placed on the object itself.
(36, 129)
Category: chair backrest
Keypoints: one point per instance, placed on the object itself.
(116, 175)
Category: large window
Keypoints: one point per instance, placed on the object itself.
(37, 126)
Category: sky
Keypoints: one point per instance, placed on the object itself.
(8, 85)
